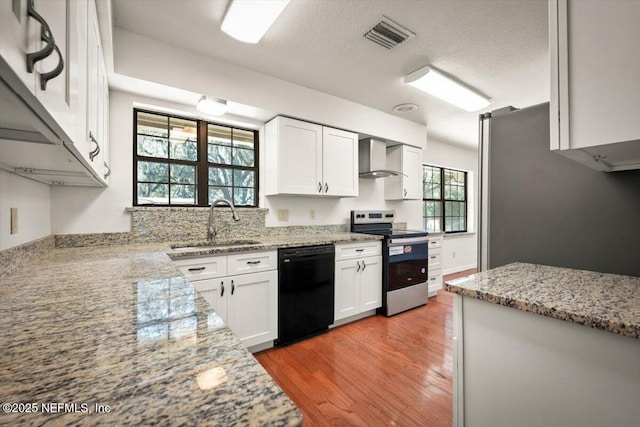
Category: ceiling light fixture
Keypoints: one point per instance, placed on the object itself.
(435, 83)
(212, 106)
(249, 20)
(405, 108)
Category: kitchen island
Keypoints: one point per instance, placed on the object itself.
(538, 345)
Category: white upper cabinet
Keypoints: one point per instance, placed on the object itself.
(308, 159)
(408, 160)
(339, 162)
(595, 82)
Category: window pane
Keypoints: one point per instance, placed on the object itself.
(243, 196)
(153, 172)
(184, 149)
(242, 157)
(183, 194)
(219, 193)
(183, 174)
(153, 124)
(157, 194)
(220, 135)
(219, 154)
(243, 139)
(152, 146)
(243, 178)
(220, 176)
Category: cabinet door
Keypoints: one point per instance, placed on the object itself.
(370, 278)
(412, 167)
(17, 38)
(339, 162)
(211, 291)
(253, 307)
(299, 157)
(347, 289)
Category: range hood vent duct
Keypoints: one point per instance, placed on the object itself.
(388, 34)
(372, 159)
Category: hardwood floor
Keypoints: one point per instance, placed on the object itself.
(378, 371)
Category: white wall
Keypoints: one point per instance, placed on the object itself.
(148, 59)
(459, 250)
(33, 201)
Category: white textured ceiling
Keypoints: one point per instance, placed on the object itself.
(500, 47)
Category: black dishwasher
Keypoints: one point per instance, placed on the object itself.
(305, 291)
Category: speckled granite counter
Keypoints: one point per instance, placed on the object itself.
(604, 301)
(118, 326)
(115, 326)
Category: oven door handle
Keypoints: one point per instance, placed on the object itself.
(408, 241)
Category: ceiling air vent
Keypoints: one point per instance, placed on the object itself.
(388, 34)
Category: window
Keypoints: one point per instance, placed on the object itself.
(444, 199)
(185, 162)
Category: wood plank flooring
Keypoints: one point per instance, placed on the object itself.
(378, 371)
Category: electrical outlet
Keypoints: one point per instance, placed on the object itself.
(14, 220)
(312, 214)
(283, 214)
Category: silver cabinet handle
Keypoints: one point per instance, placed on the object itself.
(95, 151)
(319, 187)
(326, 187)
(233, 287)
(106, 175)
(222, 288)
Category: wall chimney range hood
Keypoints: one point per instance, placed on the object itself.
(373, 159)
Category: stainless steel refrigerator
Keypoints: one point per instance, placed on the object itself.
(538, 206)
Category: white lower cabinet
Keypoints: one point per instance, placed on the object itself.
(248, 302)
(358, 281)
(435, 263)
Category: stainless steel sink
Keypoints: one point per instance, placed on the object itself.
(203, 246)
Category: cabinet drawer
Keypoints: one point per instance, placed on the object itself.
(435, 242)
(435, 278)
(358, 250)
(203, 268)
(252, 262)
(435, 261)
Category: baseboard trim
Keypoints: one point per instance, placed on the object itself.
(459, 269)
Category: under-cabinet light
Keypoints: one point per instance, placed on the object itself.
(249, 20)
(212, 106)
(429, 80)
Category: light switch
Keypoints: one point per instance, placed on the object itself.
(14, 220)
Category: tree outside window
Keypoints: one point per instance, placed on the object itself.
(186, 162)
(444, 199)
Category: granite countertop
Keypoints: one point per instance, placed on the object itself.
(599, 300)
(119, 326)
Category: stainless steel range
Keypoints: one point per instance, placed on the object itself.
(405, 260)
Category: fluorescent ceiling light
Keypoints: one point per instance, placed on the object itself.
(212, 106)
(445, 88)
(249, 20)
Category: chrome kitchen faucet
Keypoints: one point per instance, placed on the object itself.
(211, 231)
